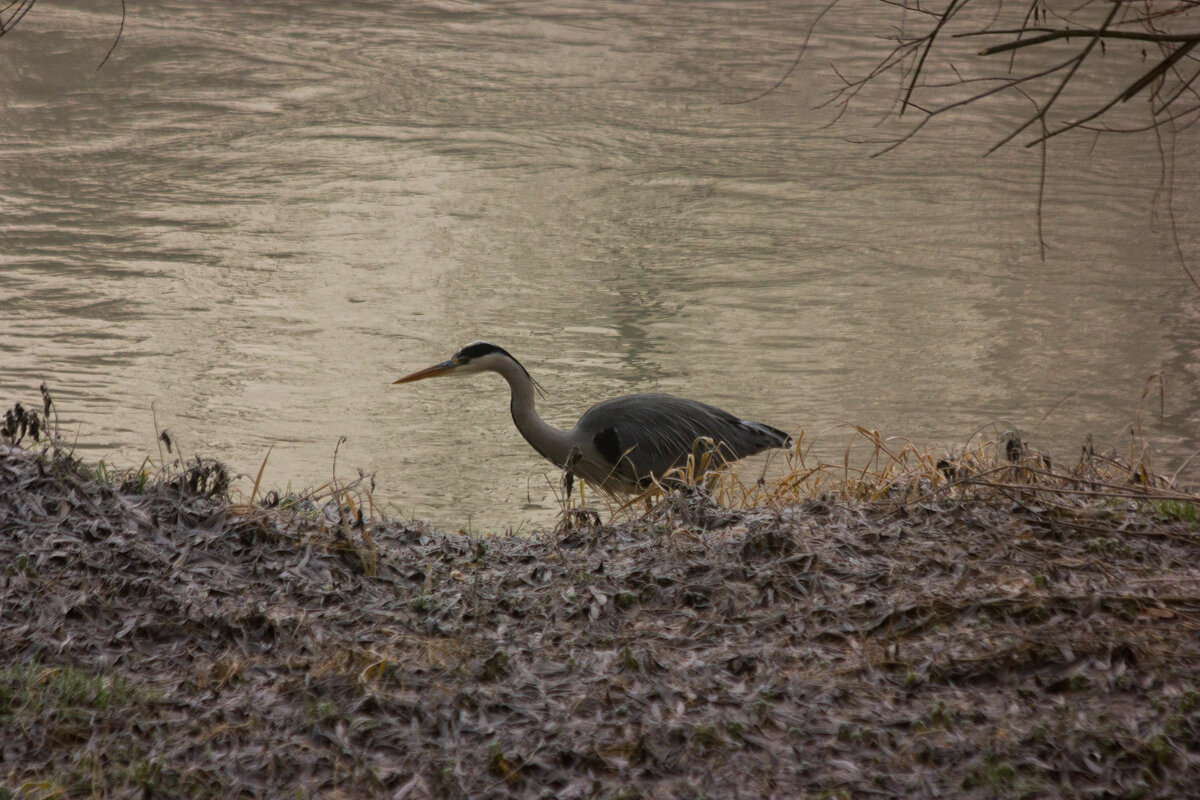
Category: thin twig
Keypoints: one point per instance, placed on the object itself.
(120, 30)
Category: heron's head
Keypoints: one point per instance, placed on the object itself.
(475, 357)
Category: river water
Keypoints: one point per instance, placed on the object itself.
(255, 217)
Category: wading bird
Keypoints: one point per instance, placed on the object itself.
(620, 446)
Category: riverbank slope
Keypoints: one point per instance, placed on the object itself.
(159, 639)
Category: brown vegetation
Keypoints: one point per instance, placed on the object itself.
(974, 637)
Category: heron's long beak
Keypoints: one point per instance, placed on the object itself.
(443, 368)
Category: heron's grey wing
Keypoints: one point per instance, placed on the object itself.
(653, 433)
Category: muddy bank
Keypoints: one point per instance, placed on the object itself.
(158, 640)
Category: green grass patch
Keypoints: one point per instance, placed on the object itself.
(62, 707)
(63, 693)
(1180, 510)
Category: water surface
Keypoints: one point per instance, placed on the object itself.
(253, 219)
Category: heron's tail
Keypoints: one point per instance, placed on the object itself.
(768, 437)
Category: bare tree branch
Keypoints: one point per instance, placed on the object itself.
(1072, 33)
(788, 73)
(15, 11)
(1078, 60)
(935, 77)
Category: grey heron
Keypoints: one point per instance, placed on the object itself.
(620, 446)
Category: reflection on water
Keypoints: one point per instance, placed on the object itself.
(250, 222)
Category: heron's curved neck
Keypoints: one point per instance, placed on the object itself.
(548, 440)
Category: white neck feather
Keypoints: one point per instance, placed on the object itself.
(552, 443)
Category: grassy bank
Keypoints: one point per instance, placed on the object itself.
(967, 629)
